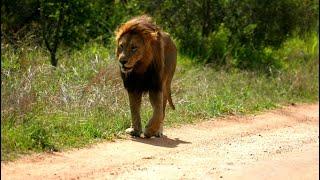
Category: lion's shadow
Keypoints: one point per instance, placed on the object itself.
(163, 141)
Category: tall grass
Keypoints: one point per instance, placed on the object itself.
(83, 101)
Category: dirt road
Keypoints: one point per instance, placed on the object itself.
(278, 144)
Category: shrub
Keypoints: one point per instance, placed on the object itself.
(217, 44)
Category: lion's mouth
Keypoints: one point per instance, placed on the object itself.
(125, 69)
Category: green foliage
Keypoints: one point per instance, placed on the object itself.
(60, 23)
(72, 23)
(17, 20)
(81, 20)
(224, 32)
(249, 27)
(216, 45)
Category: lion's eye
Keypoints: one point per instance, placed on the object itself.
(120, 47)
(133, 48)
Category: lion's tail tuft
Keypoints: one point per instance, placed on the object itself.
(170, 100)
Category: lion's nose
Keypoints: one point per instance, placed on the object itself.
(123, 61)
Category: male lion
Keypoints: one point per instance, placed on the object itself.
(147, 58)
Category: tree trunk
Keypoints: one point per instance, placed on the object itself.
(50, 33)
(53, 60)
(206, 17)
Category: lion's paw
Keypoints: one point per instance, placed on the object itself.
(149, 134)
(133, 132)
(158, 134)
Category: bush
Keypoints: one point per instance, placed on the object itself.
(217, 44)
(244, 32)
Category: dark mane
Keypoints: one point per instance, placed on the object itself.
(148, 81)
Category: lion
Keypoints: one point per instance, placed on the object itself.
(147, 58)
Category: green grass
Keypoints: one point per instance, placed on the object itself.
(83, 101)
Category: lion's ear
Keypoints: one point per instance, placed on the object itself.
(117, 32)
(155, 35)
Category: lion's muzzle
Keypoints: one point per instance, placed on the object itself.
(125, 69)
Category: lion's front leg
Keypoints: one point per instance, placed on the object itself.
(135, 105)
(154, 126)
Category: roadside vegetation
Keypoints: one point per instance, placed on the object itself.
(226, 66)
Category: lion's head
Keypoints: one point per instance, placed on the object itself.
(134, 44)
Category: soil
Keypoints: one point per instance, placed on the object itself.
(277, 144)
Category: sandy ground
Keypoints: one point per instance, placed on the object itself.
(278, 144)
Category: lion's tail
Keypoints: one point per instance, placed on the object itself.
(170, 100)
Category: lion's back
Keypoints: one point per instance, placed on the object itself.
(170, 54)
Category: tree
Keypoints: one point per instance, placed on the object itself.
(17, 18)
(211, 29)
(69, 22)
(54, 23)
(52, 19)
